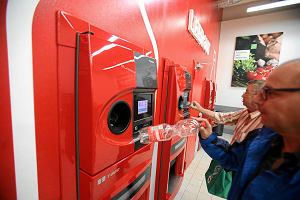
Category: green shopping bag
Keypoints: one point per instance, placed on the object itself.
(218, 180)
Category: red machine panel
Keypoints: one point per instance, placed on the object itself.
(112, 80)
(128, 179)
(210, 95)
(190, 149)
(103, 88)
(177, 85)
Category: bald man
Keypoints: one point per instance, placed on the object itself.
(282, 92)
(267, 163)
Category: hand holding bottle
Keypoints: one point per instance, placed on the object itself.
(206, 129)
(195, 105)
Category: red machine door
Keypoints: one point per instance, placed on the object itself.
(106, 83)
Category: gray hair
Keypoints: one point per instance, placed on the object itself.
(258, 84)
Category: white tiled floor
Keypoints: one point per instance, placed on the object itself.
(194, 185)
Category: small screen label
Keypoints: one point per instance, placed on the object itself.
(142, 106)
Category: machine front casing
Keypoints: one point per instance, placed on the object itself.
(112, 165)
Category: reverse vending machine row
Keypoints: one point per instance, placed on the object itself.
(116, 86)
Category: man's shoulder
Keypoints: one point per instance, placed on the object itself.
(263, 135)
(260, 133)
(266, 131)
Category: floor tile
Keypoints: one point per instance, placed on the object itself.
(213, 197)
(189, 196)
(202, 196)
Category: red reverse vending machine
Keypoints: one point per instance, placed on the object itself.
(116, 93)
(175, 98)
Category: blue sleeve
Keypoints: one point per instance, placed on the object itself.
(220, 150)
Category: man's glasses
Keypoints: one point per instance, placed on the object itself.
(266, 91)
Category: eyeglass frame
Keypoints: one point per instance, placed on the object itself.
(266, 91)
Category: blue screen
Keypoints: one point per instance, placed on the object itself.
(142, 106)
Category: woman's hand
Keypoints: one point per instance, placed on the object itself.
(195, 105)
(205, 129)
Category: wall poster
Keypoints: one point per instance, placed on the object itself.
(255, 56)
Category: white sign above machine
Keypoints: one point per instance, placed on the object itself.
(195, 28)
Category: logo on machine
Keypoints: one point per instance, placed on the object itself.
(196, 30)
(108, 176)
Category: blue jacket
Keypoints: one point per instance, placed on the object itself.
(250, 181)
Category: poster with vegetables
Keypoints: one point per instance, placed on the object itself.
(255, 57)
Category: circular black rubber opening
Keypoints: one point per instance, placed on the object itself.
(180, 103)
(119, 117)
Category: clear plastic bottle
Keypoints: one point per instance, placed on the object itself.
(164, 132)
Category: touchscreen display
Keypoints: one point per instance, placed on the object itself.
(142, 106)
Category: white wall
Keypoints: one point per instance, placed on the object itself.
(287, 22)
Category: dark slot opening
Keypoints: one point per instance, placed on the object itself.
(119, 117)
(180, 103)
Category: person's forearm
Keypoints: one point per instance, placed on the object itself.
(208, 113)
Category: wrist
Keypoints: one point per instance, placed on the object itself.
(201, 109)
(208, 141)
(204, 136)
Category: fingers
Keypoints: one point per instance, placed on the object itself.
(203, 121)
(200, 114)
(204, 132)
(193, 104)
(196, 106)
(201, 129)
(206, 122)
(200, 119)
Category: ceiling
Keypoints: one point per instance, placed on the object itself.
(235, 9)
